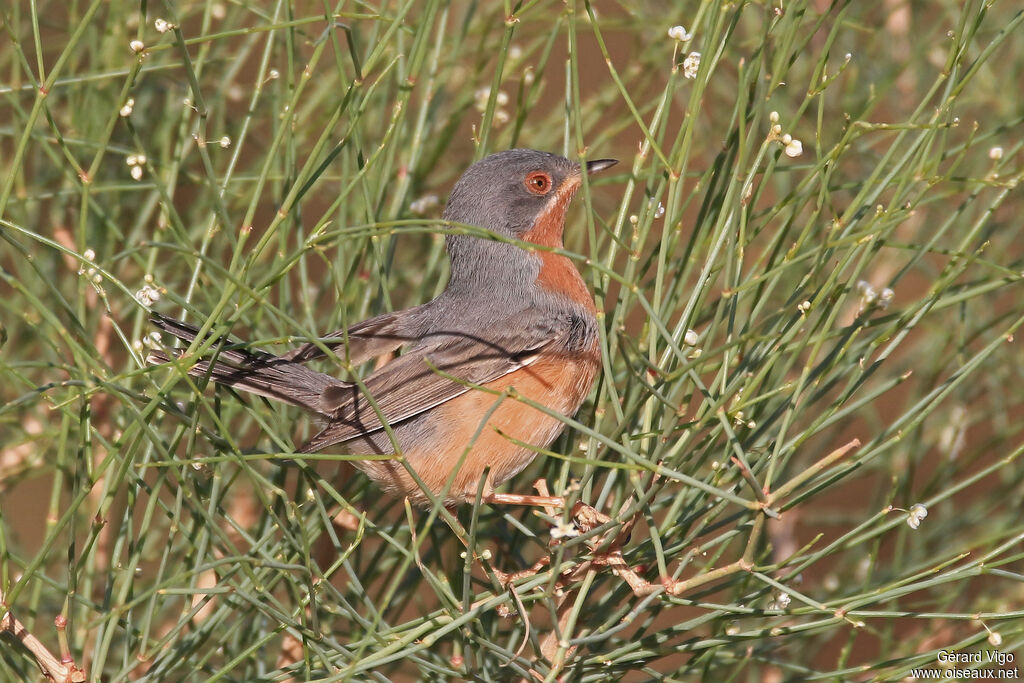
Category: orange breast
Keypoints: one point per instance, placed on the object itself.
(490, 427)
(558, 274)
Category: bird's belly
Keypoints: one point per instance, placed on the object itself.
(480, 430)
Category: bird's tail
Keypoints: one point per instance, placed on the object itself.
(256, 372)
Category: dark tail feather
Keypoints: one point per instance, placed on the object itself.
(179, 329)
(256, 372)
(188, 333)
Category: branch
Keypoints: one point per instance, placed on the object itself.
(61, 670)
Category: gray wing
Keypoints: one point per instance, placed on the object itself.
(422, 378)
(368, 339)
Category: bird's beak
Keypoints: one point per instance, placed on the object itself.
(575, 177)
(600, 164)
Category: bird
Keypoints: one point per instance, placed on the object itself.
(515, 319)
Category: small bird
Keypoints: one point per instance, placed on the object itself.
(509, 318)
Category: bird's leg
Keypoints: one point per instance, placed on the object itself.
(521, 499)
(607, 550)
(551, 504)
(584, 516)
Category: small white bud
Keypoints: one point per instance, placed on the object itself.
(137, 46)
(994, 639)
(424, 204)
(868, 295)
(136, 172)
(995, 153)
(481, 96)
(916, 515)
(679, 34)
(89, 255)
(273, 74)
(126, 110)
(225, 142)
(148, 295)
(691, 338)
(787, 138)
(564, 530)
(162, 25)
(773, 117)
(794, 148)
(691, 64)
(885, 297)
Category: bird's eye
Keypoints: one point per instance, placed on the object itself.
(538, 182)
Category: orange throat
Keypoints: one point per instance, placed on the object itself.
(557, 272)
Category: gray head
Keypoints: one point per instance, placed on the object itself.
(521, 194)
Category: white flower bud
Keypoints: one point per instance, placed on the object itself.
(916, 515)
(691, 64)
(679, 34)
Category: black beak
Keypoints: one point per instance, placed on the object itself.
(600, 164)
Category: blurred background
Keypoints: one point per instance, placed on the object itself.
(813, 241)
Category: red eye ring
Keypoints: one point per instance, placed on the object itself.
(538, 182)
